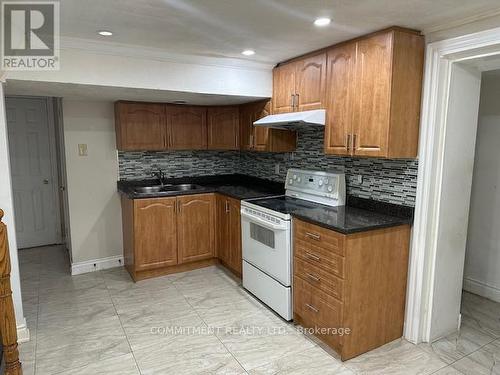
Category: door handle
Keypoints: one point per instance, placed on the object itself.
(312, 277)
(311, 307)
(313, 257)
(314, 236)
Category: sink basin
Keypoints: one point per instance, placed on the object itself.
(181, 187)
(148, 189)
(165, 188)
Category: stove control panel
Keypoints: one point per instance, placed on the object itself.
(317, 186)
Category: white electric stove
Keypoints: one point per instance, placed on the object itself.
(267, 234)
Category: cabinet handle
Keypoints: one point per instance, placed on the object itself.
(314, 236)
(178, 206)
(226, 206)
(313, 257)
(292, 100)
(311, 307)
(312, 277)
(296, 101)
(348, 142)
(354, 142)
(251, 141)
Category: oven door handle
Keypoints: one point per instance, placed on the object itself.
(263, 222)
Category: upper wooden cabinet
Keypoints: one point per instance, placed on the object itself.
(186, 127)
(339, 99)
(140, 126)
(258, 138)
(300, 85)
(223, 128)
(373, 95)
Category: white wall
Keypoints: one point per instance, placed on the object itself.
(94, 204)
(482, 264)
(127, 68)
(7, 205)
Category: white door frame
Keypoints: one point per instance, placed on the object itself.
(440, 57)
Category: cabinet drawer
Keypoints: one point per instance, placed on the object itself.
(321, 237)
(317, 310)
(320, 278)
(320, 257)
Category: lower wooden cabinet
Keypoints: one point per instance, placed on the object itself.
(228, 238)
(167, 235)
(196, 227)
(351, 289)
(155, 248)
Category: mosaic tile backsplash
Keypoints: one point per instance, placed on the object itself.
(392, 181)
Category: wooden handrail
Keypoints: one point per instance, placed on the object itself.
(8, 328)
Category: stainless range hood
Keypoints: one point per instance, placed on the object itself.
(293, 120)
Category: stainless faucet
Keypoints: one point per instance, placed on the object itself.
(159, 174)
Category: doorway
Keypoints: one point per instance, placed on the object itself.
(446, 160)
(34, 170)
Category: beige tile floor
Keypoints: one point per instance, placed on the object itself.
(103, 323)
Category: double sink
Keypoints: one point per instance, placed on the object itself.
(165, 188)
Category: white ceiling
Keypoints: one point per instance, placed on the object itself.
(276, 29)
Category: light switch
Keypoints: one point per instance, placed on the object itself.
(82, 149)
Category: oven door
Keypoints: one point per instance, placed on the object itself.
(266, 244)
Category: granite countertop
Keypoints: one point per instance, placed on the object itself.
(234, 185)
(358, 215)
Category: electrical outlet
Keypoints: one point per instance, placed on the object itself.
(277, 168)
(82, 149)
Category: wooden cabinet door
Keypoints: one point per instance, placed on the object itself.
(246, 126)
(223, 128)
(260, 134)
(310, 83)
(222, 229)
(196, 227)
(234, 235)
(373, 95)
(155, 233)
(284, 88)
(186, 127)
(339, 99)
(140, 126)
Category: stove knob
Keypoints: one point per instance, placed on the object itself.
(290, 181)
(320, 183)
(330, 189)
(326, 181)
(298, 179)
(294, 176)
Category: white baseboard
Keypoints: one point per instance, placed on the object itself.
(96, 265)
(482, 289)
(23, 333)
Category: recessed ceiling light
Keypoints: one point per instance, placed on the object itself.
(322, 21)
(248, 52)
(105, 33)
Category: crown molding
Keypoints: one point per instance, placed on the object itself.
(157, 54)
(460, 22)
